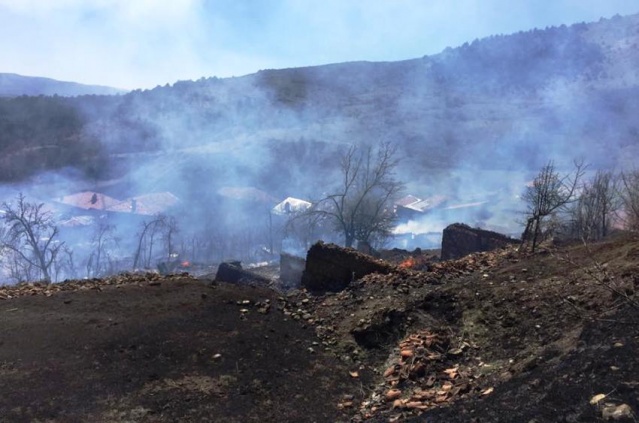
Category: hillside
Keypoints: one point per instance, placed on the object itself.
(508, 102)
(13, 85)
(502, 336)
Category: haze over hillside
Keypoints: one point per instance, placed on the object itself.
(472, 123)
(13, 85)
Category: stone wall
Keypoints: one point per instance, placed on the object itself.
(291, 270)
(232, 272)
(459, 240)
(332, 268)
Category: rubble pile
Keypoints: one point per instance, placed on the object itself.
(382, 313)
(49, 289)
(426, 371)
(416, 259)
(477, 262)
(377, 309)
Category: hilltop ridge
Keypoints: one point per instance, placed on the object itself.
(14, 85)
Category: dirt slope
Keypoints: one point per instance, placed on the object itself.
(147, 353)
(500, 336)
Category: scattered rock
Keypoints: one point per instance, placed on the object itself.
(595, 400)
(393, 394)
(617, 412)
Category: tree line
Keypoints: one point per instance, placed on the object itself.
(570, 206)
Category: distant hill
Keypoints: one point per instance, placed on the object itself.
(13, 85)
(471, 123)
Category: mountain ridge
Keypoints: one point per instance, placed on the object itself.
(13, 85)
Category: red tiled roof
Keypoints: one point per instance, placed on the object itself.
(89, 200)
(146, 204)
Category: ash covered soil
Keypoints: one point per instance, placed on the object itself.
(498, 336)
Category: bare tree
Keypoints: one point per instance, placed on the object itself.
(550, 193)
(170, 230)
(104, 241)
(16, 268)
(629, 194)
(31, 235)
(146, 240)
(596, 206)
(160, 228)
(361, 205)
(64, 264)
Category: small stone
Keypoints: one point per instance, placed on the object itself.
(594, 400)
(389, 371)
(487, 391)
(393, 394)
(617, 412)
(415, 404)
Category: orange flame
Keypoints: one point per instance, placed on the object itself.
(186, 263)
(407, 264)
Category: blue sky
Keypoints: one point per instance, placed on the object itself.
(144, 43)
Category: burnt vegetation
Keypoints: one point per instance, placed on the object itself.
(172, 305)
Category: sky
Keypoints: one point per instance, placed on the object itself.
(133, 44)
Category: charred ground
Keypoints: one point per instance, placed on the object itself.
(497, 336)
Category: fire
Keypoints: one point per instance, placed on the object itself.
(186, 263)
(408, 263)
